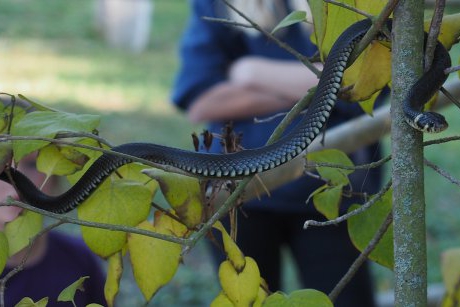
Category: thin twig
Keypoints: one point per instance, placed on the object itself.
(442, 140)
(351, 168)
(376, 27)
(450, 96)
(283, 45)
(435, 28)
(346, 216)
(442, 172)
(451, 69)
(112, 227)
(22, 264)
(349, 7)
(228, 22)
(361, 258)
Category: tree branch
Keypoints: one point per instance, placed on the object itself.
(361, 258)
(112, 227)
(346, 216)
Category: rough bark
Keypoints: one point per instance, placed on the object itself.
(407, 162)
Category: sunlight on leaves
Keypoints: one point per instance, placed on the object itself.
(116, 201)
(3, 251)
(154, 261)
(234, 254)
(22, 229)
(112, 282)
(293, 18)
(304, 297)
(68, 294)
(183, 193)
(48, 124)
(53, 160)
(362, 228)
(28, 302)
(5, 116)
(242, 286)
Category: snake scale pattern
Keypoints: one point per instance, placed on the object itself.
(250, 161)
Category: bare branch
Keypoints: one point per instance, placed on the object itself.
(283, 45)
(442, 172)
(435, 28)
(361, 258)
(67, 219)
(349, 7)
(346, 216)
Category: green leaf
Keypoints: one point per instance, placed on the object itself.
(336, 176)
(48, 124)
(293, 18)
(112, 283)
(116, 201)
(154, 261)
(68, 294)
(21, 230)
(36, 105)
(328, 201)
(3, 251)
(362, 228)
(28, 302)
(6, 153)
(304, 298)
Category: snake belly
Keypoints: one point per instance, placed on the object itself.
(233, 165)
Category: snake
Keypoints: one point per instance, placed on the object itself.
(248, 162)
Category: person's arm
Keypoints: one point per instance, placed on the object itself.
(230, 101)
(291, 79)
(256, 87)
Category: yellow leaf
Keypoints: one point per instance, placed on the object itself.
(221, 300)
(112, 283)
(52, 161)
(154, 261)
(370, 74)
(116, 201)
(183, 194)
(261, 296)
(166, 224)
(241, 287)
(450, 267)
(234, 254)
(21, 230)
(450, 29)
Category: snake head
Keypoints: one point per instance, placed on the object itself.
(429, 122)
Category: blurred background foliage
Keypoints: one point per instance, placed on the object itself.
(53, 51)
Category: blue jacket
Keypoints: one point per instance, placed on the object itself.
(208, 49)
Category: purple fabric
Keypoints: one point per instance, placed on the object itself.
(65, 261)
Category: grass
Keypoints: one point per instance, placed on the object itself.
(52, 51)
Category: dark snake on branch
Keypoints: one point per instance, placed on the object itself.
(251, 161)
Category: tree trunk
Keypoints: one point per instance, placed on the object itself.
(407, 167)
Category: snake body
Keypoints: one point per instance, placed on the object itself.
(247, 162)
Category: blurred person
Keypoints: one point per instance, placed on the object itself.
(231, 73)
(55, 261)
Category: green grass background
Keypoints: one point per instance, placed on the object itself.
(52, 52)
